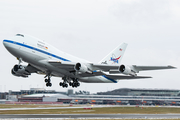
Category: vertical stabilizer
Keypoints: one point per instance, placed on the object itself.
(115, 56)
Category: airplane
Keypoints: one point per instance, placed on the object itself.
(44, 59)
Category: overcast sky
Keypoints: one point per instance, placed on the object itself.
(90, 30)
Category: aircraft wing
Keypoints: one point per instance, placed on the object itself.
(104, 67)
(143, 68)
(121, 77)
(69, 66)
(136, 68)
(31, 69)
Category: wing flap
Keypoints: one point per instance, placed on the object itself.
(143, 68)
(104, 67)
(95, 73)
(121, 77)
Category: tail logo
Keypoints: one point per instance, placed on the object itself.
(114, 59)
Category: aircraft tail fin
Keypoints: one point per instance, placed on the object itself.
(114, 57)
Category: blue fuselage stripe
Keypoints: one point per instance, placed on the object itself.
(39, 50)
(47, 53)
(109, 79)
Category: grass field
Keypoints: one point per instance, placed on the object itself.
(109, 110)
(30, 105)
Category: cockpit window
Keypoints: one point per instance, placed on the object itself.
(20, 35)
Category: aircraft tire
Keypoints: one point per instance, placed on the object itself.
(46, 80)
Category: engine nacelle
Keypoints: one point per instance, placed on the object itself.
(126, 70)
(20, 71)
(81, 68)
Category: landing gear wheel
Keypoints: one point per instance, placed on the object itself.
(75, 83)
(60, 84)
(48, 84)
(46, 80)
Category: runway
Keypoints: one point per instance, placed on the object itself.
(74, 107)
(110, 116)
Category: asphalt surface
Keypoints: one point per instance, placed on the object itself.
(110, 116)
(75, 107)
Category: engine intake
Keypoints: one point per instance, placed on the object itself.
(20, 71)
(126, 70)
(81, 68)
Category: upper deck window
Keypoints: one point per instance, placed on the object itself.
(20, 35)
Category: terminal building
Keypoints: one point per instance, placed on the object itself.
(122, 96)
(141, 92)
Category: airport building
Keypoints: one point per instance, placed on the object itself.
(123, 96)
(141, 92)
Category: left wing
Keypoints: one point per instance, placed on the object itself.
(89, 69)
(143, 68)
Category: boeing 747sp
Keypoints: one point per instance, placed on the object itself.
(43, 58)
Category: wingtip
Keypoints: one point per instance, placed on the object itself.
(172, 67)
(143, 77)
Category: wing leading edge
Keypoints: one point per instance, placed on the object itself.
(112, 69)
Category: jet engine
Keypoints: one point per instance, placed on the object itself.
(127, 70)
(82, 68)
(20, 71)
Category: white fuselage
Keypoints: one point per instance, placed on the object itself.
(37, 52)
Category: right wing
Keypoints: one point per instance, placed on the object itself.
(121, 77)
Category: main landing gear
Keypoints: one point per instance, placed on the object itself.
(75, 83)
(48, 82)
(64, 84)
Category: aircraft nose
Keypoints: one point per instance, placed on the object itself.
(4, 43)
